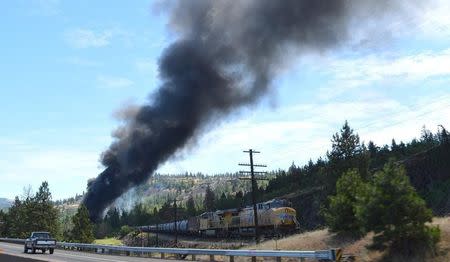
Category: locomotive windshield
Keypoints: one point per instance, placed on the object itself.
(279, 203)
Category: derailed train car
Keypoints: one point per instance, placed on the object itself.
(274, 217)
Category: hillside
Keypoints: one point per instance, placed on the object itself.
(161, 188)
(5, 203)
(322, 239)
(428, 170)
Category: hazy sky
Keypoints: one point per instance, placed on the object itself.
(69, 66)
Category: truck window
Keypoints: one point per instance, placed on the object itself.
(41, 235)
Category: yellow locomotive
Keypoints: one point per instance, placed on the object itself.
(274, 217)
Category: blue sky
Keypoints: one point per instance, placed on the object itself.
(69, 66)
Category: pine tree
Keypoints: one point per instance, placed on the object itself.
(33, 213)
(443, 135)
(345, 144)
(396, 213)
(373, 149)
(346, 153)
(112, 219)
(3, 224)
(82, 231)
(190, 205)
(44, 215)
(209, 202)
(340, 216)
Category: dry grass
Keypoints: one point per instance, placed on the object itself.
(108, 241)
(322, 239)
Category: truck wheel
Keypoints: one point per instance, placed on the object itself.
(51, 250)
(25, 249)
(33, 250)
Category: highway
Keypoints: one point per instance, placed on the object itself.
(14, 252)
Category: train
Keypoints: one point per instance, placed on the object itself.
(275, 217)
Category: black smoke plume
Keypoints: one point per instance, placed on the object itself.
(225, 57)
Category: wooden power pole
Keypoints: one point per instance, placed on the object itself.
(252, 173)
(175, 217)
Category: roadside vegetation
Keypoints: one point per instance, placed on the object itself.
(358, 189)
(387, 205)
(359, 248)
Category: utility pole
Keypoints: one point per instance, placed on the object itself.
(254, 186)
(157, 233)
(148, 236)
(175, 213)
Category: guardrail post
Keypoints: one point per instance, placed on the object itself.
(163, 255)
(193, 257)
(279, 259)
(336, 254)
(231, 258)
(253, 259)
(127, 253)
(302, 259)
(211, 257)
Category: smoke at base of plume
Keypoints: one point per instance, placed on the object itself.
(225, 57)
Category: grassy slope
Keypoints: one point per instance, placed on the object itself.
(108, 241)
(322, 239)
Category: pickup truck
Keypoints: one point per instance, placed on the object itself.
(40, 240)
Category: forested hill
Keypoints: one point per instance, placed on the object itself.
(161, 188)
(430, 174)
(5, 203)
(427, 161)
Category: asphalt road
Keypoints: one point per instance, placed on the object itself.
(15, 251)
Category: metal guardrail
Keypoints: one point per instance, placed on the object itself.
(329, 255)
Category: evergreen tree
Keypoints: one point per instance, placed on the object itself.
(82, 231)
(16, 220)
(239, 199)
(394, 146)
(44, 215)
(3, 224)
(345, 144)
(346, 153)
(396, 213)
(112, 219)
(443, 135)
(34, 213)
(209, 202)
(190, 205)
(341, 213)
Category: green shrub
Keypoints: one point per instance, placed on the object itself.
(125, 230)
(340, 216)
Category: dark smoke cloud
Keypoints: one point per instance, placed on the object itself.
(226, 56)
